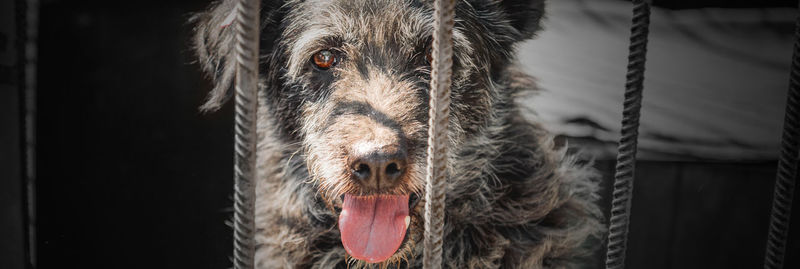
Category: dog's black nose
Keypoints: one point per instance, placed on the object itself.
(379, 169)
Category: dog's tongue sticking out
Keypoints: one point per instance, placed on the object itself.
(373, 227)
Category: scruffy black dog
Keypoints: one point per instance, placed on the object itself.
(342, 138)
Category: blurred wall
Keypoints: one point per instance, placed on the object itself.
(700, 215)
(682, 4)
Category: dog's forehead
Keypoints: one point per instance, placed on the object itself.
(360, 24)
(360, 20)
(399, 25)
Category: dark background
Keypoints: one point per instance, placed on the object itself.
(131, 175)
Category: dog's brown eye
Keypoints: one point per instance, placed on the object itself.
(324, 59)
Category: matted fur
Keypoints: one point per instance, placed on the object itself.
(513, 199)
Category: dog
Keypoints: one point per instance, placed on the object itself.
(342, 137)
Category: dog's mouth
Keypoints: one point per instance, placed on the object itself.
(374, 227)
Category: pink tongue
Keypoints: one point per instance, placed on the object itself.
(373, 227)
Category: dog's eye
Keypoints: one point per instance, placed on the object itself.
(429, 54)
(324, 59)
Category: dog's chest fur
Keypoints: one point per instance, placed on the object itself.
(512, 202)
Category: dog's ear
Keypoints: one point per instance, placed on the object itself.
(214, 45)
(524, 15)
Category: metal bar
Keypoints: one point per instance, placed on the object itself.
(786, 177)
(27, 35)
(436, 179)
(626, 158)
(247, 37)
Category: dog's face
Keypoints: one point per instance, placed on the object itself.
(349, 81)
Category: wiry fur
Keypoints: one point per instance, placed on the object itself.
(513, 199)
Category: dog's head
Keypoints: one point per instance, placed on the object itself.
(349, 81)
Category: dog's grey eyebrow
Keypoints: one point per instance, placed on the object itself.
(303, 46)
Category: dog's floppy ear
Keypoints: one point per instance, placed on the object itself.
(524, 15)
(214, 44)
